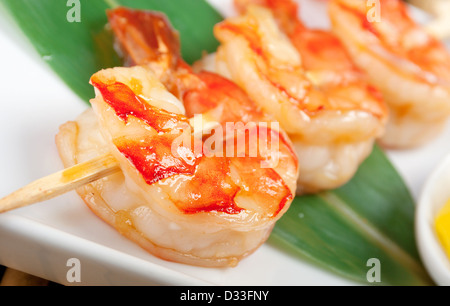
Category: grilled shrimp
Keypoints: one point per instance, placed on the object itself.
(178, 198)
(408, 65)
(307, 82)
(155, 45)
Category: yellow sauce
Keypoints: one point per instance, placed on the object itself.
(443, 227)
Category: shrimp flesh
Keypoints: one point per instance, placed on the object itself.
(304, 79)
(173, 197)
(409, 66)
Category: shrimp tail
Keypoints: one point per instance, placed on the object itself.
(146, 38)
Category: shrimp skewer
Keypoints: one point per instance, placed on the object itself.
(307, 82)
(78, 175)
(408, 65)
(155, 46)
(171, 196)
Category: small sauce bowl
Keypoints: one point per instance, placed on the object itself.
(433, 198)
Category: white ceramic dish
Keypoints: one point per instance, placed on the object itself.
(435, 195)
(40, 239)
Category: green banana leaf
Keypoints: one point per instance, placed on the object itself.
(371, 217)
(343, 231)
(72, 38)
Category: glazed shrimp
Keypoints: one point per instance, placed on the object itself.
(409, 66)
(306, 81)
(154, 44)
(172, 197)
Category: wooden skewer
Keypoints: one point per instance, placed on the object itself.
(79, 175)
(60, 182)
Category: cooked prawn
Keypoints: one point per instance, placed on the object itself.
(154, 44)
(408, 65)
(305, 80)
(171, 197)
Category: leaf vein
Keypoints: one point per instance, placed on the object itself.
(372, 233)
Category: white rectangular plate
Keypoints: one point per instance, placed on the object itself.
(40, 239)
